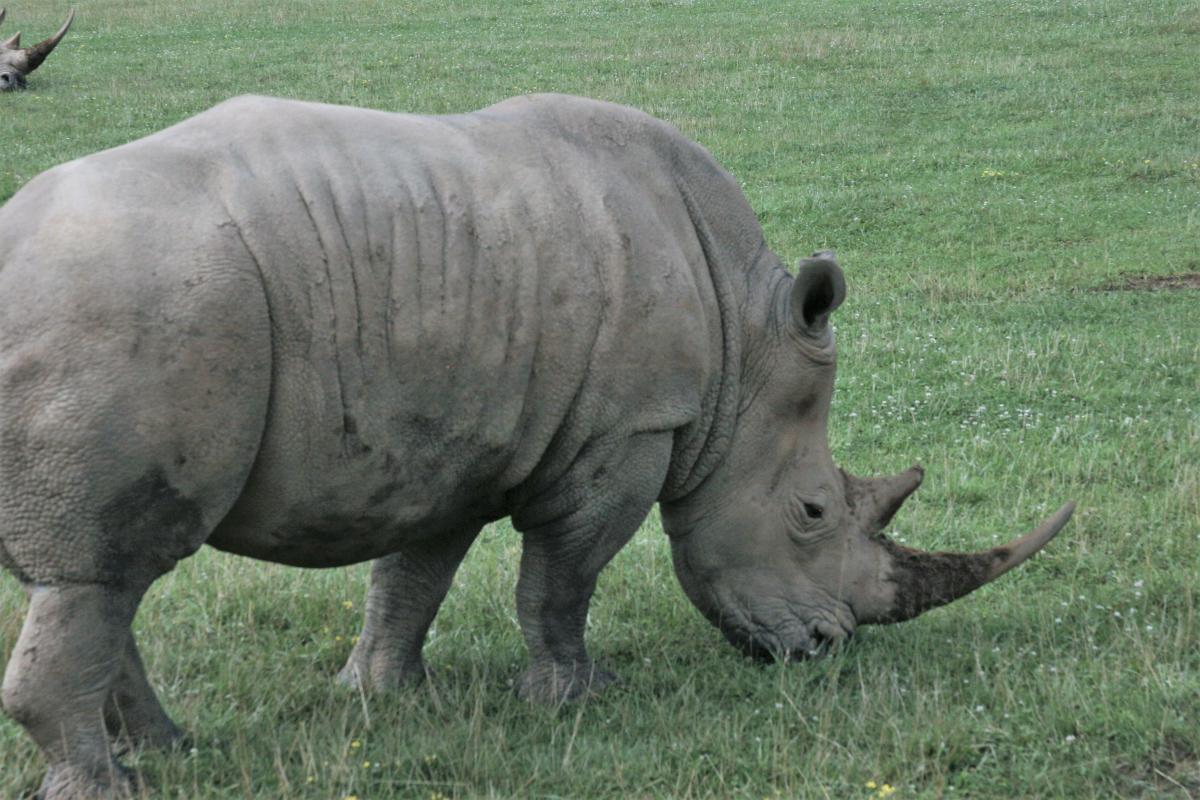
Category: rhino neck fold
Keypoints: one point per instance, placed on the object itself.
(702, 445)
(743, 279)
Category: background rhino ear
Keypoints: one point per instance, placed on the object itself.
(819, 288)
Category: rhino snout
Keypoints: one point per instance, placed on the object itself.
(11, 80)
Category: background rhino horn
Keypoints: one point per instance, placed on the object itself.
(3, 11)
(36, 54)
(928, 580)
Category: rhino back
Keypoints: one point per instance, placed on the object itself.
(458, 306)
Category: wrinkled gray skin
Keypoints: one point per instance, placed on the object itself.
(17, 62)
(318, 335)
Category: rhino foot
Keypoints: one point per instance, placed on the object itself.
(168, 737)
(379, 674)
(65, 782)
(551, 682)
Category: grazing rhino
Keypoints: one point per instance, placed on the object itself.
(318, 335)
(17, 62)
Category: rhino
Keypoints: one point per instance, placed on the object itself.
(320, 335)
(17, 62)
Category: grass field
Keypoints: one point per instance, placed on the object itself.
(1008, 186)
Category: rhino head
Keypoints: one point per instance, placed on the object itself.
(782, 550)
(17, 62)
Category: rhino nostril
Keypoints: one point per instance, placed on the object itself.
(813, 510)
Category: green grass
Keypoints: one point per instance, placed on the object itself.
(986, 172)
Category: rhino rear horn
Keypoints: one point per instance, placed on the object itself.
(36, 54)
(876, 500)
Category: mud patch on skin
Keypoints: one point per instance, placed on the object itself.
(928, 580)
(149, 525)
(1153, 283)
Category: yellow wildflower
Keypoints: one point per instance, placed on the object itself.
(347, 604)
(354, 745)
(871, 784)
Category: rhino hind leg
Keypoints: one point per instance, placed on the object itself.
(132, 713)
(567, 542)
(66, 661)
(407, 588)
(116, 465)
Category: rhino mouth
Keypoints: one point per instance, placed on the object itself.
(768, 649)
(781, 629)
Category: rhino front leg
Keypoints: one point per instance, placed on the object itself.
(407, 588)
(562, 558)
(64, 666)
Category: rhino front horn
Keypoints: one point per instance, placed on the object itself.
(927, 580)
(36, 54)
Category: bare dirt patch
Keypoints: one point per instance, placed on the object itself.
(1150, 283)
(1173, 771)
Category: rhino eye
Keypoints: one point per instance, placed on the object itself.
(813, 510)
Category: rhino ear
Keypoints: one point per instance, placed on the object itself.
(819, 288)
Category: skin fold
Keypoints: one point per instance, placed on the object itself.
(321, 335)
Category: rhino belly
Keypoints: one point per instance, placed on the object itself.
(323, 514)
(346, 475)
(329, 531)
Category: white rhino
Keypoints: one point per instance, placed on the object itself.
(320, 335)
(16, 62)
